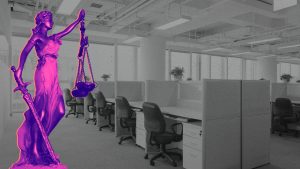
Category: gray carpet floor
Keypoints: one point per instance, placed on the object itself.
(82, 146)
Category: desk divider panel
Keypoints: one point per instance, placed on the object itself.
(221, 124)
(256, 123)
(293, 91)
(190, 90)
(163, 93)
(132, 91)
(107, 88)
(278, 90)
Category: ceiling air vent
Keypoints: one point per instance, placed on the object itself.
(95, 5)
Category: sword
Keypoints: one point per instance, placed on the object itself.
(28, 99)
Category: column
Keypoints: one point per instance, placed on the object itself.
(151, 61)
(267, 68)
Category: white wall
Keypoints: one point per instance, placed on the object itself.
(4, 96)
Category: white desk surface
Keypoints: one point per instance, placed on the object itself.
(182, 112)
(296, 101)
(111, 100)
(137, 104)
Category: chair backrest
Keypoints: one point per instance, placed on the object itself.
(89, 100)
(123, 107)
(283, 106)
(153, 119)
(67, 94)
(100, 100)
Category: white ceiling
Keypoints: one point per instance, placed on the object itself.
(228, 24)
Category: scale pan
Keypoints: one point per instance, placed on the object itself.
(79, 93)
(86, 86)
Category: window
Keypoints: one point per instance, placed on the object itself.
(216, 67)
(234, 68)
(196, 66)
(250, 74)
(126, 63)
(205, 66)
(180, 59)
(295, 72)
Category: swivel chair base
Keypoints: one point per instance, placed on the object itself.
(111, 126)
(123, 138)
(91, 119)
(164, 154)
(127, 137)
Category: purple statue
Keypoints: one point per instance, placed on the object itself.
(47, 107)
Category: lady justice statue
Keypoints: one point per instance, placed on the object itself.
(47, 107)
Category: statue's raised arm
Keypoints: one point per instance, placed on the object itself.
(69, 28)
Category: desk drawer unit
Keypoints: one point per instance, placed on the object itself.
(192, 146)
(141, 137)
(140, 121)
(192, 159)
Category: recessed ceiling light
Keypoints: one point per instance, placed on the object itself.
(133, 39)
(173, 23)
(290, 46)
(264, 40)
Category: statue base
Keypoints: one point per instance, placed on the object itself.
(28, 166)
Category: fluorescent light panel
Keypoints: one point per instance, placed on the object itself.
(290, 46)
(173, 24)
(263, 40)
(213, 49)
(67, 7)
(133, 39)
(242, 53)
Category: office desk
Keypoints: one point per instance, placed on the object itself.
(191, 145)
(182, 112)
(137, 104)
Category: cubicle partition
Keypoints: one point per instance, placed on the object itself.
(221, 124)
(227, 121)
(278, 90)
(133, 91)
(287, 90)
(256, 123)
(293, 91)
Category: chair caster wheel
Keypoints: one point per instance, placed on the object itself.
(100, 129)
(66, 116)
(152, 163)
(120, 142)
(146, 156)
(86, 122)
(174, 164)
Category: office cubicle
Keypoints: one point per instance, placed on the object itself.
(133, 91)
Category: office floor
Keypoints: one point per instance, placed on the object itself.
(82, 146)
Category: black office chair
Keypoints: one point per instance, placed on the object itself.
(104, 109)
(282, 115)
(155, 125)
(71, 102)
(90, 103)
(127, 117)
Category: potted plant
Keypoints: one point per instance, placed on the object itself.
(286, 77)
(105, 77)
(177, 73)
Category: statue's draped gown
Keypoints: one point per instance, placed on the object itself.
(49, 104)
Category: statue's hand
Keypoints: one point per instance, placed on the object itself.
(18, 77)
(81, 15)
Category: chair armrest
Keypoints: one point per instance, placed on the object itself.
(110, 103)
(174, 126)
(91, 108)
